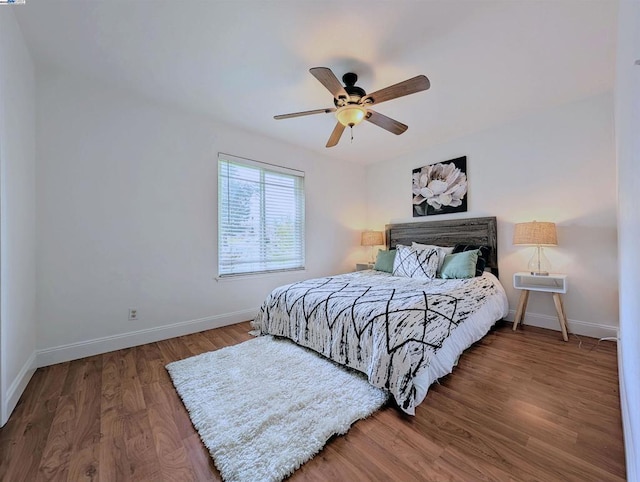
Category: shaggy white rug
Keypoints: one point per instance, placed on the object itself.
(266, 406)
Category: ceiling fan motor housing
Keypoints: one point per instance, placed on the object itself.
(355, 93)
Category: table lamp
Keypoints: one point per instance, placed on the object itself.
(371, 238)
(536, 234)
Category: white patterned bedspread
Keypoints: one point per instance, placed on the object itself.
(403, 333)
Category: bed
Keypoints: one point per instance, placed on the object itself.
(403, 332)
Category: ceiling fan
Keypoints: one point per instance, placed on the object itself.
(352, 103)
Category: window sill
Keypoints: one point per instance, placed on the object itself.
(242, 277)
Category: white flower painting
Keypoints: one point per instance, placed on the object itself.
(440, 188)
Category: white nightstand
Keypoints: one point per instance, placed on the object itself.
(363, 266)
(553, 283)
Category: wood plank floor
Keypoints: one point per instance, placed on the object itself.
(519, 406)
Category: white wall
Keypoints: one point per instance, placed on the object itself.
(127, 214)
(557, 165)
(628, 145)
(17, 214)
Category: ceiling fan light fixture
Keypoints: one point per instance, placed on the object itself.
(351, 115)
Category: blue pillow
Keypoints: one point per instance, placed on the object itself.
(460, 265)
(483, 255)
(384, 260)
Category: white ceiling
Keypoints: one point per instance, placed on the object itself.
(242, 62)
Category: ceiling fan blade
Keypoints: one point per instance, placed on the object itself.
(335, 135)
(385, 122)
(411, 86)
(306, 112)
(329, 80)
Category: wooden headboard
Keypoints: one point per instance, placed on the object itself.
(448, 233)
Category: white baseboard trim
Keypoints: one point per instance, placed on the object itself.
(73, 351)
(17, 387)
(583, 328)
(627, 428)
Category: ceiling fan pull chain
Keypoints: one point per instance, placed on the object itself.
(351, 127)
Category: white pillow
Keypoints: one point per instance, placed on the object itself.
(442, 251)
(415, 263)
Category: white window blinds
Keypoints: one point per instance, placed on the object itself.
(260, 217)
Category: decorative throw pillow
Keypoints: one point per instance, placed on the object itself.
(442, 251)
(483, 255)
(460, 265)
(384, 260)
(415, 263)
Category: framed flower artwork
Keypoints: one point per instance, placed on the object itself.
(440, 188)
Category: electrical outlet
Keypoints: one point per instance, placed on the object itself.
(133, 314)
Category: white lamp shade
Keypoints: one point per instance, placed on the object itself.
(350, 115)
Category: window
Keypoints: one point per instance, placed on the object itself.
(260, 217)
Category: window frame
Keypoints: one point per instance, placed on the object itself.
(299, 199)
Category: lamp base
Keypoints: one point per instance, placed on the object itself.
(539, 264)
